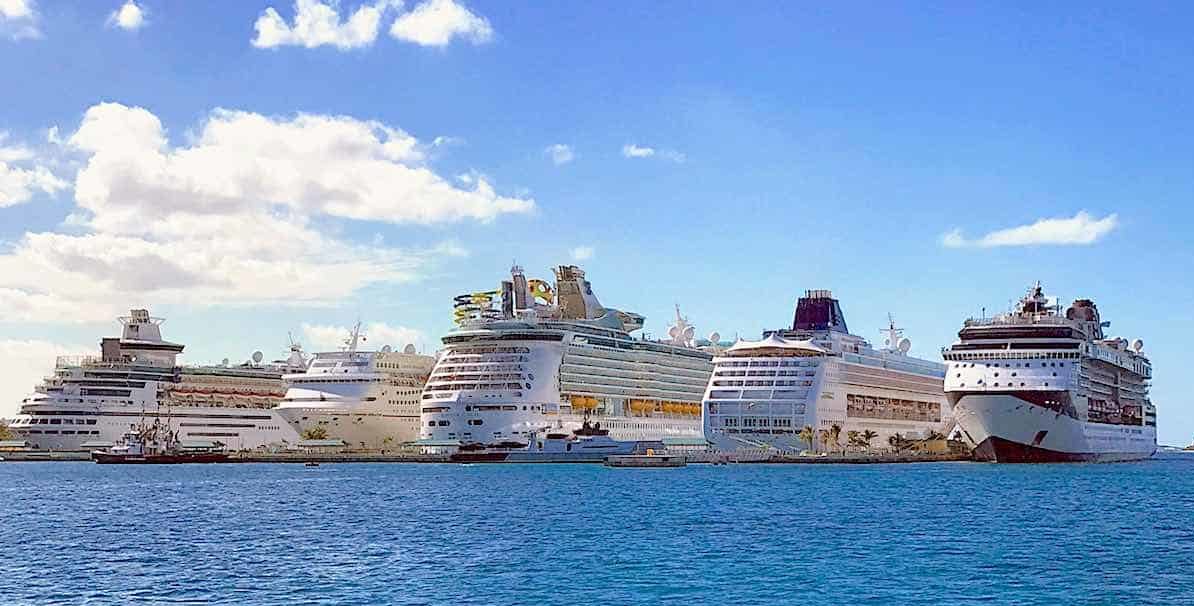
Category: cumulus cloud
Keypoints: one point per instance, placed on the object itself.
(582, 253)
(321, 337)
(128, 17)
(22, 174)
(317, 23)
(437, 22)
(632, 150)
(560, 154)
(236, 216)
(18, 19)
(1082, 228)
(25, 363)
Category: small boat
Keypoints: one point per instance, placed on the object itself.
(156, 445)
(647, 460)
(310, 464)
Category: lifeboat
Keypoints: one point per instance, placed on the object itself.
(583, 403)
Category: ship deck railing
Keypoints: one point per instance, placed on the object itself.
(1016, 320)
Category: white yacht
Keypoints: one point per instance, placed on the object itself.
(1034, 385)
(367, 399)
(764, 393)
(90, 402)
(530, 358)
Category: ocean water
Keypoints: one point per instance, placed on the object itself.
(962, 533)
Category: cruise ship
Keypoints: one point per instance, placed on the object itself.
(91, 401)
(1037, 385)
(531, 356)
(762, 394)
(367, 399)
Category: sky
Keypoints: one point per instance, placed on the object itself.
(250, 170)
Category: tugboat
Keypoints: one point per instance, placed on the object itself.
(156, 444)
(589, 444)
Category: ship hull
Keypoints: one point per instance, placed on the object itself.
(158, 459)
(369, 429)
(1008, 429)
(236, 428)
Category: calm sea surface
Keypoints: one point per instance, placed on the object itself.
(78, 533)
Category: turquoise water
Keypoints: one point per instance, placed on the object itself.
(573, 534)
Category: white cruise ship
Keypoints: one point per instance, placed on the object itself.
(89, 402)
(368, 399)
(529, 357)
(1034, 385)
(764, 393)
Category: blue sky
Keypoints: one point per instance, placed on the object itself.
(863, 147)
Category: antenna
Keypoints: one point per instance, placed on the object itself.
(350, 344)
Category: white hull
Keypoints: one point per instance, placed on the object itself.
(1007, 428)
(236, 428)
(358, 428)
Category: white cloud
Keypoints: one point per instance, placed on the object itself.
(437, 22)
(318, 23)
(560, 154)
(582, 253)
(24, 364)
(631, 150)
(22, 175)
(18, 19)
(1082, 228)
(128, 17)
(376, 335)
(235, 217)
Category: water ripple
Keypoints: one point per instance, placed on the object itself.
(442, 534)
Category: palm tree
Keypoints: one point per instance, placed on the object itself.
(934, 435)
(807, 434)
(867, 436)
(896, 441)
(5, 432)
(826, 438)
(835, 433)
(319, 432)
(853, 439)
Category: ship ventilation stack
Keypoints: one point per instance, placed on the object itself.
(1084, 310)
(575, 294)
(818, 310)
(522, 291)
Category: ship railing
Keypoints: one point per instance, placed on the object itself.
(1018, 320)
(99, 362)
(75, 361)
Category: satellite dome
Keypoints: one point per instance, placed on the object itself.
(905, 345)
(1137, 345)
(386, 349)
(409, 349)
(715, 337)
(258, 356)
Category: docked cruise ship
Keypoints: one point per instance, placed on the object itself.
(1034, 385)
(764, 393)
(367, 399)
(90, 401)
(529, 357)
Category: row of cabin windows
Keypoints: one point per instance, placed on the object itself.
(1014, 365)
